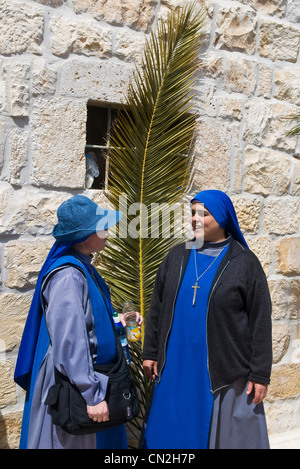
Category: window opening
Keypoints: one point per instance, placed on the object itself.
(98, 127)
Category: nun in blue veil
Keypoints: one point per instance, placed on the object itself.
(207, 343)
(76, 333)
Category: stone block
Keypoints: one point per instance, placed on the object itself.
(22, 28)
(10, 430)
(15, 87)
(23, 260)
(281, 215)
(51, 3)
(212, 150)
(264, 81)
(275, 133)
(278, 40)
(285, 381)
(58, 142)
(211, 65)
(294, 299)
(14, 309)
(267, 7)
(2, 141)
(285, 294)
(258, 115)
(240, 76)
(279, 297)
(99, 81)
(282, 415)
(205, 104)
(18, 155)
(3, 92)
(28, 210)
(129, 46)
(248, 213)
(43, 78)
(7, 386)
(265, 124)
(262, 248)
(235, 29)
(293, 11)
(230, 107)
(295, 179)
(281, 340)
(266, 172)
(79, 36)
(287, 252)
(287, 85)
(137, 14)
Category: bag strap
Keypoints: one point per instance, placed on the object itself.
(45, 280)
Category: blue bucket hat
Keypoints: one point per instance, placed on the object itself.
(80, 217)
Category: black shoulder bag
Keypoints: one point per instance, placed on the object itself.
(68, 408)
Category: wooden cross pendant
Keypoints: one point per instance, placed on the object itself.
(195, 287)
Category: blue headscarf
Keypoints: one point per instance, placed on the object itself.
(222, 209)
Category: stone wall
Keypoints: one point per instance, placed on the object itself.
(56, 55)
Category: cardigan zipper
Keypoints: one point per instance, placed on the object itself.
(208, 304)
(170, 327)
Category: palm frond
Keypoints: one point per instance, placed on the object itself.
(148, 160)
(296, 129)
(149, 165)
(293, 118)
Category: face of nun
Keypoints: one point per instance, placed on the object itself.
(95, 243)
(205, 226)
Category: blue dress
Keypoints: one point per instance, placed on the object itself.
(182, 404)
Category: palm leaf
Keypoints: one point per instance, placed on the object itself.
(296, 129)
(148, 160)
(292, 118)
(149, 164)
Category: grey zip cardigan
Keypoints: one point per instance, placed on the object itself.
(239, 337)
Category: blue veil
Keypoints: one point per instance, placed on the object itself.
(32, 327)
(222, 209)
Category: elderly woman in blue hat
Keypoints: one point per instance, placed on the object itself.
(208, 338)
(78, 323)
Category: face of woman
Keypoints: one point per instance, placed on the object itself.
(94, 243)
(97, 241)
(205, 226)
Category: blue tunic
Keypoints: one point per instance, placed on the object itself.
(182, 404)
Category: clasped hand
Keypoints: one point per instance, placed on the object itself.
(98, 412)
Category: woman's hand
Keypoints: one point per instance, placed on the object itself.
(99, 412)
(138, 318)
(150, 368)
(260, 391)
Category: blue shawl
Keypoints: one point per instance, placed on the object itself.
(33, 324)
(222, 209)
